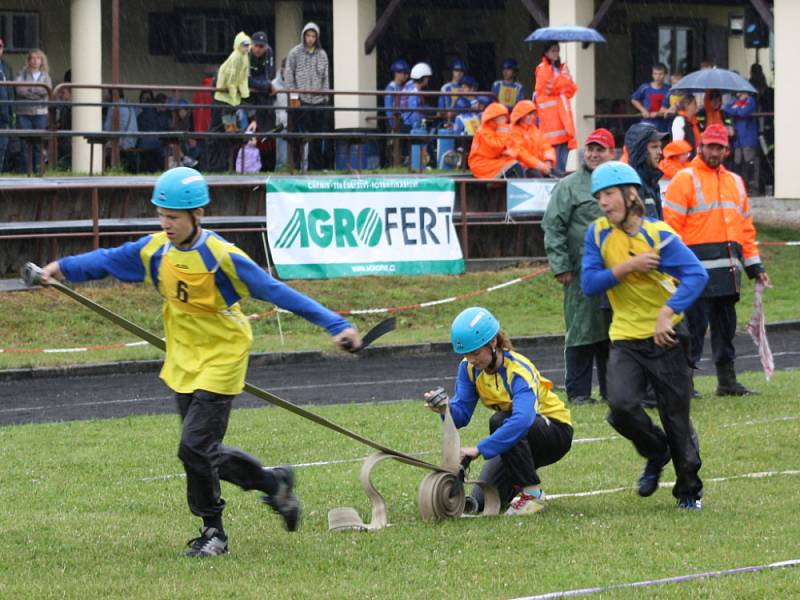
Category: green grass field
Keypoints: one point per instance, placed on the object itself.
(96, 509)
(48, 319)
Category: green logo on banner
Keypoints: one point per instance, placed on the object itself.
(341, 228)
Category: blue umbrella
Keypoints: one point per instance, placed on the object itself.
(714, 79)
(566, 33)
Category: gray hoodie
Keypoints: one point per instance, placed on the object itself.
(307, 69)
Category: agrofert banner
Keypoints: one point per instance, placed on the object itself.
(347, 227)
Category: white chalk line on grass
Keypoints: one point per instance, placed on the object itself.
(342, 461)
(674, 579)
(666, 484)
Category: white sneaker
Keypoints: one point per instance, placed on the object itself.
(523, 504)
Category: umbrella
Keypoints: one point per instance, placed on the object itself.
(714, 79)
(567, 33)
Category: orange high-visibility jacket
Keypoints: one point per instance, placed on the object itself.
(555, 113)
(489, 155)
(670, 167)
(528, 142)
(710, 210)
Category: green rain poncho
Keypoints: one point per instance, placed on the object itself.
(233, 73)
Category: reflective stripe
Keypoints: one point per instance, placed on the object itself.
(714, 206)
(720, 263)
(547, 104)
(555, 133)
(681, 210)
(753, 260)
(698, 187)
(649, 200)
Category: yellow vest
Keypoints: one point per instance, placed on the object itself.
(493, 390)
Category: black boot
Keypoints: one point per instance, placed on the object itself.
(727, 384)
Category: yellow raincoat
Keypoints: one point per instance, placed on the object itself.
(233, 74)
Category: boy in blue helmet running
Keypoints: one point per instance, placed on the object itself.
(651, 278)
(530, 427)
(201, 278)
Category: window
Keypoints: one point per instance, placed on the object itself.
(206, 35)
(19, 30)
(676, 46)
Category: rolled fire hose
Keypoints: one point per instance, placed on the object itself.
(434, 501)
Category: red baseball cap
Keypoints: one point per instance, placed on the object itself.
(715, 134)
(601, 136)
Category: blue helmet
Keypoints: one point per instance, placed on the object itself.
(458, 65)
(181, 188)
(400, 66)
(469, 80)
(509, 63)
(473, 328)
(613, 173)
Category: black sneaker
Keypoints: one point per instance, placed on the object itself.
(283, 501)
(687, 503)
(210, 543)
(648, 482)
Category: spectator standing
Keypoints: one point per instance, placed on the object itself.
(554, 89)
(153, 118)
(685, 125)
(6, 112)
(490, 155)
(745, 143)
(307, 69)
(652, 98)
(637, 261)
(411, 117)
(508, 90)
(262, 72)
(233, 88)
(458, 70)
(570, 211)
(643, 146)
(201, 115)
(707, 205)
(400, 73)
(281, 117)
(33, 116)
(534, 153)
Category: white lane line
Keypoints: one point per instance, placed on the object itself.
(651, 582)
(341, 461)
(760, 421)
(665, 484)
(77, 404)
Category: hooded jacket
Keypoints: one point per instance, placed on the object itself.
(532, 149)
(489, 155)
(555, 113)
(233, 74)
(307, 69)
(636, 140)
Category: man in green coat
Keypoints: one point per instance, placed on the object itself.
(570, 211)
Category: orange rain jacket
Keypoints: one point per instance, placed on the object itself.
(670, 165)
(489, 155)
(555, 113)
(710, 210)
(527, 141)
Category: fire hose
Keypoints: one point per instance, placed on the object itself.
(434, 496)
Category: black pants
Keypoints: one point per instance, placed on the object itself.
(218, 150)
(580, 361)
(720, 314)
(204, 418)
(631, 364)
(309, 118)
(547, 442)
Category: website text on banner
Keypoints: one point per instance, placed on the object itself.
(529, 198)
(350, 227)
